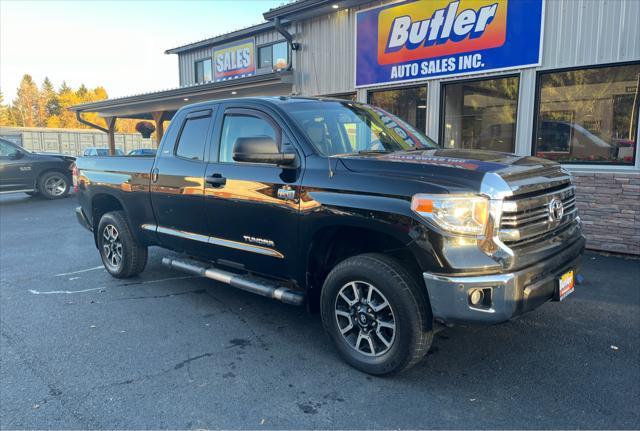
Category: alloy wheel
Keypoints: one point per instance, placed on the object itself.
(55, 185)
(365, 318)
(112, 246)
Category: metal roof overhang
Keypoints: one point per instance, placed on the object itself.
(142, 106)
(303, 9)
(224, 38)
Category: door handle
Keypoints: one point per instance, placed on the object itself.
(216, 180)
(154, 175)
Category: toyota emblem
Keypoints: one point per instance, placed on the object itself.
(556, 210)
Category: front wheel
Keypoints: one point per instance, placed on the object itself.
(121, 254)
(53, 185)
(376, 314)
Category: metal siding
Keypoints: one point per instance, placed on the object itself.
(326, 60)
(583, 32)
(73, 141)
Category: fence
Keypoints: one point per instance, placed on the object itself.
(70, 141)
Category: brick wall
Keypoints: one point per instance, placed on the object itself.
(609, 206)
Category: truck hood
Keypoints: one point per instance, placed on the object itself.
(417, 161)
(458, 169)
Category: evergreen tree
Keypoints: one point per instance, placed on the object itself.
(25, 105)
(53, 105)
(82, 92)
(6, 118)
(47, 102)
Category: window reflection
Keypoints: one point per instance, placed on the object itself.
(410, 104)
(241, 126)
(280, 55)
(481, 114)
(273, 57)
(588, 115)
(203, 71)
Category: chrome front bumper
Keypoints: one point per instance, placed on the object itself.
(510, 294)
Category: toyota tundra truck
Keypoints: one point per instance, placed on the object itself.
(346, 209)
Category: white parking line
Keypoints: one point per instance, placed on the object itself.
(78, 272)
(70, 292)
(52, 292)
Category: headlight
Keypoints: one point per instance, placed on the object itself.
(460, 214)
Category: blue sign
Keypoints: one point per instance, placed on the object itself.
(424, 39)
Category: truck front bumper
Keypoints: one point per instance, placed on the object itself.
(504, 295)
(82, 219)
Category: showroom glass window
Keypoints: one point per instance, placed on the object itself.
(410, 104)
(481, 114)
(203, 71)
(273, 57)
(588, 115)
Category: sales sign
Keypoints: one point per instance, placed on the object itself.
(236, 60)
(424, 39)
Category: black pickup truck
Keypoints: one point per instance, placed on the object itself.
(43, 174)
(345, 208)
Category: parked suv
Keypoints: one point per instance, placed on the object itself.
(48, 175)
(347, 209)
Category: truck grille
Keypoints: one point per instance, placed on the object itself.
(527, 217)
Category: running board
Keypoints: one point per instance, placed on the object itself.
(251, 284)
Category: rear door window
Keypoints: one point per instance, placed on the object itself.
(193, 137)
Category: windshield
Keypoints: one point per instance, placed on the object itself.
(343, 127)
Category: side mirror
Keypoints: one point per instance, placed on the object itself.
(16, 155)
(261, 149)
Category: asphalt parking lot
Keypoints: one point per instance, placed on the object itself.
(79, 349)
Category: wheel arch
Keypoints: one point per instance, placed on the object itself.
(101, 204)
(331, 245)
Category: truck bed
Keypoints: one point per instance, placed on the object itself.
(125, 179)
(115, 168)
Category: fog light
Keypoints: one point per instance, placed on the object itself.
(476, 296)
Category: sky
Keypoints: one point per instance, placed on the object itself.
(116, 44)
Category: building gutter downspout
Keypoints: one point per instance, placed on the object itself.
(88, 123)
(110, 131)
(293, 46)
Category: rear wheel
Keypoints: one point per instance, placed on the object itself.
(53, 185)
(121, 254)
(376, 314)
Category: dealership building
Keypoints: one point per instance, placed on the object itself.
(558, 79)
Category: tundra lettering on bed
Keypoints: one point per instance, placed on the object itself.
(346, 209)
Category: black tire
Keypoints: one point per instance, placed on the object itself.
(53, 185)
(132, 256)
(409, 310)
